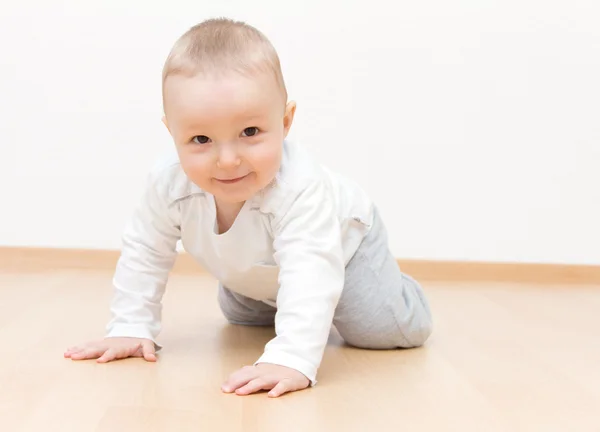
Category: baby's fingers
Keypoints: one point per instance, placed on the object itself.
(148, 351)
(71, 351)
(256, 385)
(282, 387)
(87, 353)
(109, 355)
(240, 378)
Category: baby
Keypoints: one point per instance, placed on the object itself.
(292, 244)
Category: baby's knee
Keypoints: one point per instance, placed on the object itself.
(418, 334)
(392, 337)
(244, 311)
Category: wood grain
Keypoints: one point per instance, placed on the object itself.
(502, 357)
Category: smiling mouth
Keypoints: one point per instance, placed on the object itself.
(231, 181)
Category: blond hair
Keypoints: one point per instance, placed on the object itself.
(221, 45)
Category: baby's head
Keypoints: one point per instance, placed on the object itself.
(225, 105)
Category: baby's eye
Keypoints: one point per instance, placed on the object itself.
(201, 139)
(251, 131)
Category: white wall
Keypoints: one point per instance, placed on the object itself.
(474, 124)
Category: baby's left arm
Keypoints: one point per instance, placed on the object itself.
(308, 250)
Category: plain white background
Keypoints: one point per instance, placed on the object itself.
(473, 124)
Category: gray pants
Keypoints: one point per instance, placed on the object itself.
(380, 307)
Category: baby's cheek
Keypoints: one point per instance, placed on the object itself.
(198, 178)
(269, 170)
(196, 169)
(272, 160)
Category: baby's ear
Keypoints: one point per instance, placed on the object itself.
(288, 117)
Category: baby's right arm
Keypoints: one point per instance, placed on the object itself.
(148, 255)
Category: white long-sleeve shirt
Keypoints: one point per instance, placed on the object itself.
(287, 247)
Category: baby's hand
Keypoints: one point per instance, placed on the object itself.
(265, 376)
(109, 349)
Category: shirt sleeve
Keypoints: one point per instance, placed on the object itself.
(148, 255)
(308, 250)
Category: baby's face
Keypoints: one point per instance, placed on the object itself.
(228, 131)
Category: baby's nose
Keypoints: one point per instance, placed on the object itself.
(228, 158)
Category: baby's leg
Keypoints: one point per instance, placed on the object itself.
(380, 307)
(242, 310)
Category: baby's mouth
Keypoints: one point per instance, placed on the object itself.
(231, 180)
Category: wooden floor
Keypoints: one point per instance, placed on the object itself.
(502, 358)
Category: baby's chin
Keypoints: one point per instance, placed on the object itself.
(239, 193)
